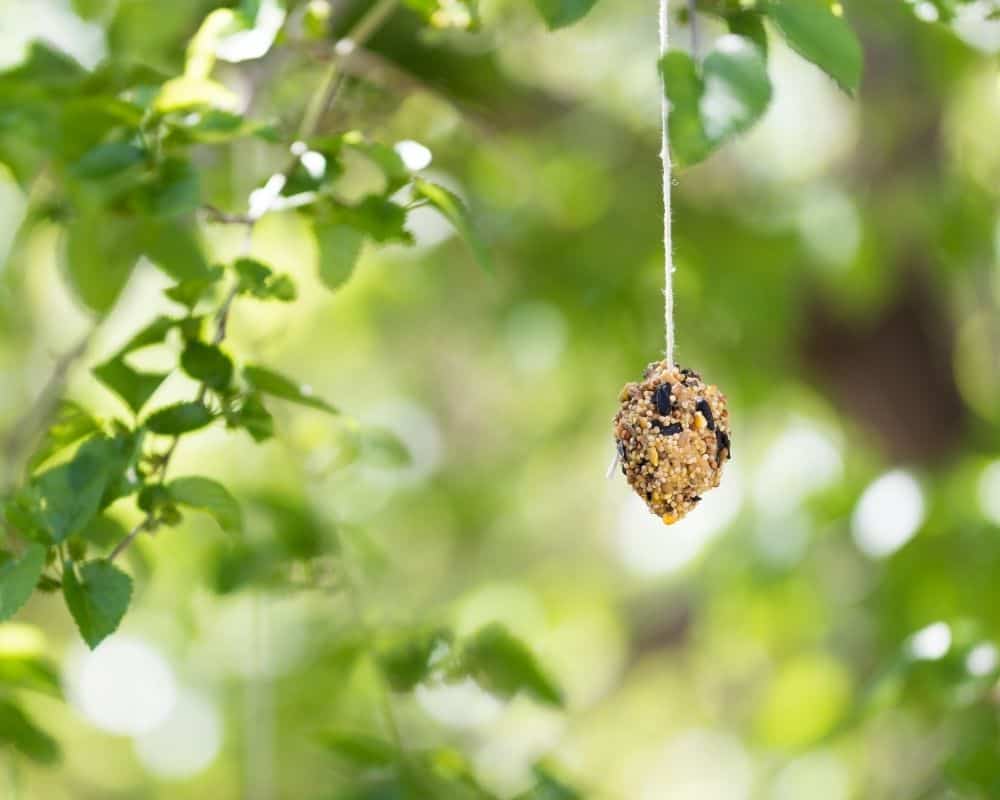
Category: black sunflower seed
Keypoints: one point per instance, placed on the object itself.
(669, 430)
(662, 398)
(723, 443)
(706, 412)
(621, 449)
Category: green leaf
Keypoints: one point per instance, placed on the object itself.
(190, 292)
(383, 448)
(549, 787)
(385, 158)
(63, 500)
(97, 599)
(378, 217)
(175, 190)
(454, 210)
(813, 30)
(173, 246)
(732, 92)
(18, 577)
(18, 730)
(339, 247)
(108, 159)
(360, 749)
(260, 281)
(208, 364)
(267, 381)
(254, 418)
(180, 418)
(208, 495)
(560, 13)
(749, 24)
(133, 386)
(71, 424)
(101, 250)
(405, 656)
(501, 663)
(29, 671)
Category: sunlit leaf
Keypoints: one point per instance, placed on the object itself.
(71, 424)
(451, 206)
(101, 251)
(210, 496)
(819, 35)
(267, 381)
(339, 247)
(97, 598)
(727, 97)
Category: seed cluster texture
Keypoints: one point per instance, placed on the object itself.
(672, 432)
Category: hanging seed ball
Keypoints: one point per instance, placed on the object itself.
(672, 433)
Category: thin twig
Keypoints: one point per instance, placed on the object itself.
(693, 25)
(34, 421)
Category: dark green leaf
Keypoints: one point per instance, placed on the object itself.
(18, 576)
(405, 656)
(68, 496)
(71, 424)
(260, 281)
(208, 495)
(684, 87)
(267, 381)
(501, 663)
(820, 36)
(107, 159)
(454, 210)
(208, 364)
(18, 730)
(560, 13)
(749, 24)
(360, 749)
(254, 418)
(339, 247)
(175, 189)
(180, 418)
(134, 387)
(97, 599)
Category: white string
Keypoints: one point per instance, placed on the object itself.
(668, 250)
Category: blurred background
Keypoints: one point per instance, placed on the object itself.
(823, 626)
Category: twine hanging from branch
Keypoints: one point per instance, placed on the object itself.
(668, 251)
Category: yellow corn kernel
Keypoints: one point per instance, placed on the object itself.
(653, 456)
(669, 519)
(700, 423)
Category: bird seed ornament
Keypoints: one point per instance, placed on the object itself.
(672, 437)
(672, 430)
